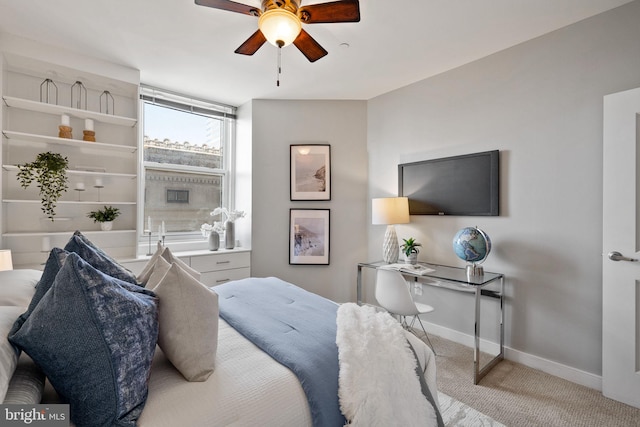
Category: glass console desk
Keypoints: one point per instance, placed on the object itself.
(456, 279)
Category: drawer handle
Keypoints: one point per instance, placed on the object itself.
(223, 262)
(222, 280)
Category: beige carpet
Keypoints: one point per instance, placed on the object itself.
(518, 396)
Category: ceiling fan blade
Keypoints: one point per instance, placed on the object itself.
(252, 44)
(336, 11)
(230, 6)
(309, 47)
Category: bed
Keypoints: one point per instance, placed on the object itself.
(243, 385)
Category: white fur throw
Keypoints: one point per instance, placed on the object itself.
(378, 385)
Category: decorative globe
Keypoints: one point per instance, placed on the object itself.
(472, 245)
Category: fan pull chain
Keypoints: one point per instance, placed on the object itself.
(279, 66)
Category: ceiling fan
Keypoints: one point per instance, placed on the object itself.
(280, 22)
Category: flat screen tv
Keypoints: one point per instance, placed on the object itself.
(460, 185)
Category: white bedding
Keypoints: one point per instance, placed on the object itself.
(248, 388)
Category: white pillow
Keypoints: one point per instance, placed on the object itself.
(158, 271)
(18, 286)
(8, 353)
(163, 252)
(168, 256)
(143, 277)
(188, 323)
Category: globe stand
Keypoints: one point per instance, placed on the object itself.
(474, 270)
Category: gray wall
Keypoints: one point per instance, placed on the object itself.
(275, 126)
(540, 103)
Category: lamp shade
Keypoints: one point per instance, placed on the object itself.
(390, 210)
(6, 263)
(279, 26)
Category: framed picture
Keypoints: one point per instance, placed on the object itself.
(309, 236)
(310, 172)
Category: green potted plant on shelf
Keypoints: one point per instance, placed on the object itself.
(49, 170)
(105, 217)
(410, 250)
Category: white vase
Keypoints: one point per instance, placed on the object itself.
(106, 226)
(214, 241)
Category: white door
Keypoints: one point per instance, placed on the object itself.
(621, 236)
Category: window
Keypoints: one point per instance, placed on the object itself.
(177, 196)
(187, 146)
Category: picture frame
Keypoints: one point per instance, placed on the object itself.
(309, 236)
(310, 172)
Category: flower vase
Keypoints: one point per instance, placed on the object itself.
(230, 235)
(214, 241)
(106, 226)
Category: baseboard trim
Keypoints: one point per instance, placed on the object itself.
(548, 366)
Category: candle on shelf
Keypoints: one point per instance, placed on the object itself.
(46, 244)
(164, 230)
(80, 186)
(65, 121)
(88, 124)
(149, 223)
(99, 182)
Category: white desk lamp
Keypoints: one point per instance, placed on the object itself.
(5, 260)
(390, 211)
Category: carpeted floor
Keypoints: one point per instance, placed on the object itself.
(518, 396)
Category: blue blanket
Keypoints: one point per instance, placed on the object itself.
(295, 327)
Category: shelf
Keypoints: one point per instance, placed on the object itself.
(83, 172)
(62, 233)
(42, 107)
(31, 137)
(71, 202)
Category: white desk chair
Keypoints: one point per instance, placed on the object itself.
(392, 293)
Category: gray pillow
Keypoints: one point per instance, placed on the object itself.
(98, 258)
(94, 337)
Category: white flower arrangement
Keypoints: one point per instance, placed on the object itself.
(219, 226)
(230, 216)
(206, 228)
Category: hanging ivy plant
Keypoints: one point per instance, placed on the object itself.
(49, 170)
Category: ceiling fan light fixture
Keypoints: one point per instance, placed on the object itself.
(279, 26)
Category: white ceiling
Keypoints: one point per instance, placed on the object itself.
(180, 46)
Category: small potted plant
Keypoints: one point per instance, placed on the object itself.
(49, 170)
(410, 250)
(105, 217)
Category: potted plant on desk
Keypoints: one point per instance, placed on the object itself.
(105, 217)
(410, 250)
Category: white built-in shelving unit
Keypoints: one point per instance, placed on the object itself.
(106, 170)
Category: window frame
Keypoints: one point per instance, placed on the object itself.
(185, 103)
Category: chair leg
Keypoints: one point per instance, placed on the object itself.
(423, 330)
(409, 327)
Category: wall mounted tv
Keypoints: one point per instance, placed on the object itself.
(460, 185)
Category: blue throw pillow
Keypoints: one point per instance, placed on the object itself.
(94, 337)
(98, 258)
(51, 268)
